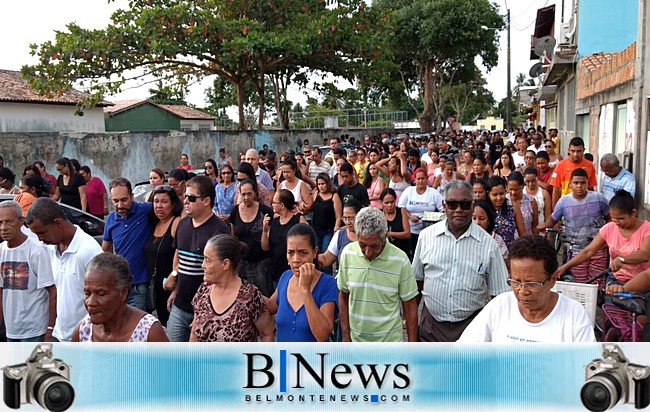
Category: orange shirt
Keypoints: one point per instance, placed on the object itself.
(562, 174)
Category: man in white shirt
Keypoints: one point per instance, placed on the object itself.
(70, 250)
(27, 290)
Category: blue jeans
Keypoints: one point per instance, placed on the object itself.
(179, 325)
(34, 339)
(323, 239)
(138, 296)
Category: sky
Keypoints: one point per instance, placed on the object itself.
(35, 21)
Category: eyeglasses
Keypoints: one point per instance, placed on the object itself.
(193, 198)
(453, 204)
(531, 286)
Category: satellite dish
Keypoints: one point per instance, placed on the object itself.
(536, 70)
(543, 45)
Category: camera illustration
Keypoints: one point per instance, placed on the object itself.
(613, 380)
(40, 379)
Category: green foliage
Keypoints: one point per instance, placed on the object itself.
(435, 44)
(184, 40)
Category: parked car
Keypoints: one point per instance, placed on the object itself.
(90, 224)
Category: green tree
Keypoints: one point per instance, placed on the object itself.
(241, 41)
(434, 42)
(168, 93)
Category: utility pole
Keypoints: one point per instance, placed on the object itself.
(509, 96)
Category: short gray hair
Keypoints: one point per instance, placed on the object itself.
(116, 265)
(459, 184)
(609, 159)
(371, 221)
(15, 205)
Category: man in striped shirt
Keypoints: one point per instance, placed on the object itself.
(457, 265)
(375, 281)
(192, 234)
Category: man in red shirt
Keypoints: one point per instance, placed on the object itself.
(562, 174)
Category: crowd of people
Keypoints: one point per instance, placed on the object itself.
(304, 245)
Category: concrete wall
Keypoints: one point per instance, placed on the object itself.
(28, 117)
(133, 154)
(606, 25)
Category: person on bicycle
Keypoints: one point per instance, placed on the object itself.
(626, 236)
(531, 312)
(584, 213)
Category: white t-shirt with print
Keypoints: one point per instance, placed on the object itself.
(25, 272)
(501, 321)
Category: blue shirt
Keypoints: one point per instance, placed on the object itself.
(623, 180)
(294, 326)
(129, 236)
(224, 200)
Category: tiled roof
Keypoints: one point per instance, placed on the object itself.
(594, 61)
(180, 111)
(123, 105)
(185, 112)
(13, 88)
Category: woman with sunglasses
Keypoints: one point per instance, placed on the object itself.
(275, 229)
(549, 147)
(165, 214)
(225, 193)
(246, 223)
(210, 168)
(71, 186)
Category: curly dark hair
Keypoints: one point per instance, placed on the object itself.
(536, 248)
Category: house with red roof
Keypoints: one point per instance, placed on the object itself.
(142, 115)
(23, 110)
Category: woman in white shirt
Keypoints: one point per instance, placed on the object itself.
(417, 200)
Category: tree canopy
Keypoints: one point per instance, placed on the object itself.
(241, 41)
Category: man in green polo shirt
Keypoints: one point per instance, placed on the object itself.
(375, 279)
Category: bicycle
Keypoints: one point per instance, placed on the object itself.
(620, 312)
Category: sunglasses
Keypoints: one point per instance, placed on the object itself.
(163, 189)
(209, 167)
(193, 198)
(453, 204)
(226, 173)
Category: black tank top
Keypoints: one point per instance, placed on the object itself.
(165, 262)
(395, 225)
(278, 243)
(324, 216)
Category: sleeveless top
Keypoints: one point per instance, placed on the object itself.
(323, 213)
(375, 190)
(526, 211)
(444, 182)
(222, 162)
(161, 246)
(278, 244)
(395, 225)
(140, 333)
(398, 187)
(505, 224)
(539, 196)
(295, 191)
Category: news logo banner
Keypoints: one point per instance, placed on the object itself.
(325, 376)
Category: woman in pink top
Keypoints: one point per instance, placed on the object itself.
(96, 195)
(185, 163)
(374, 184)
(627, 237)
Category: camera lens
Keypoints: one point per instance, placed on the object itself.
(601, 392)
(53, 392)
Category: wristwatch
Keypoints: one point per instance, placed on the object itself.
(621, 259)
(173, 274)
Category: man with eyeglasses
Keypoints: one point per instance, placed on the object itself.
(126, 231)
(456, 264)
(192, 234)
(531, 312)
